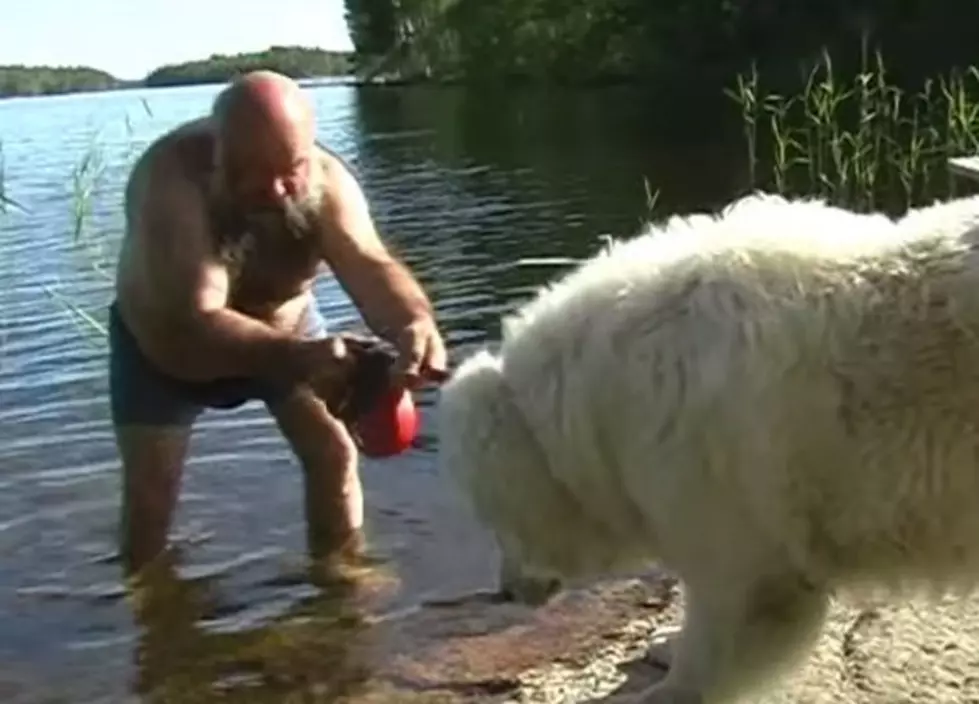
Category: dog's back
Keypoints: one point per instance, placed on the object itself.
(771, 403)
(799, 369)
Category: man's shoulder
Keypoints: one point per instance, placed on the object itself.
(334, 165)
(188, 146)
(339, 182)
(179, 157)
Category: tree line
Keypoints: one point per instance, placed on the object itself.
(686, 45)
(667, 42)
(50, 80)
(294, 61)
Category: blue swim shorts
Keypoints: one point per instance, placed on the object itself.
(140, 393)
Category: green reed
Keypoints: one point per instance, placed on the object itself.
(652, 196)
(863, 143)
(87, 181)
(7, 202)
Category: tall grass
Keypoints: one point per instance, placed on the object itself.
(863, 143)
(87, 179)
(7, 201)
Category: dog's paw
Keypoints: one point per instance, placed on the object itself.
(532, 591)
(671, 696)
(520, 586)
(661, 648)
(662, 693)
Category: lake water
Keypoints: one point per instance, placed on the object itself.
(462, 184)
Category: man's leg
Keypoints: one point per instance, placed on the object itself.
(153, 424)
(152, 467)
(334, 504)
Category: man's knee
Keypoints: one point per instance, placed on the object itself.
(149, 444)
(152, 465)
(317, 437)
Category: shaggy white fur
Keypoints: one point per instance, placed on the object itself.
(774, 403)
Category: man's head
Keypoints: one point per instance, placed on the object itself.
(266, 178)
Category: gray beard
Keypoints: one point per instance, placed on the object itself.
(267, 234)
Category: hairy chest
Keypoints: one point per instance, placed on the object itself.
(269, 269)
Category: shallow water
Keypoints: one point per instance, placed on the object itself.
(462, 184)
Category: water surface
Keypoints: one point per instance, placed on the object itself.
(462, 184)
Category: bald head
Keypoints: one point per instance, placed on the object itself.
(265, 133)
(265, 101)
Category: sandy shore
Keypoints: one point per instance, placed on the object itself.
(587, 645)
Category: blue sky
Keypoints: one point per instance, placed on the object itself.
(129, 38)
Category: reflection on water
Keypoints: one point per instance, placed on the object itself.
(463, 184)
(317, 641)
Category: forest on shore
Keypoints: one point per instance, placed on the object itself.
(861, 102)
(687, 44)
(295, 61)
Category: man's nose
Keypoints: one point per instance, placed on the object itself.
(280, 188)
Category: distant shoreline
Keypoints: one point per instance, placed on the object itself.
(307, 81)
(308, 65)
(300, 63)
(344, 79)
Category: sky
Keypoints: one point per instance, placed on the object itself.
(129, 38)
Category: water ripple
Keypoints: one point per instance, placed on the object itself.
(459, 191)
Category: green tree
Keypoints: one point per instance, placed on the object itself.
(696, 43)
(47, 80)
(292, 61)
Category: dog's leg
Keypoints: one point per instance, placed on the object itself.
(660, 652)
(530, 589)
(734, 639)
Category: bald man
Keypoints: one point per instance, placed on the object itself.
(229, 219)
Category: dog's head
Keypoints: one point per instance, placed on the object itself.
(489, 450)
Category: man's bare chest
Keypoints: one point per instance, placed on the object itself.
(272, 271)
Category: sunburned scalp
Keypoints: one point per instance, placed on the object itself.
(265, 114)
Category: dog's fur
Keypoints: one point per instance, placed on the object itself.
(774, 403)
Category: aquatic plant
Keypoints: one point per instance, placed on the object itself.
(6, 200)
(86, 179)
(862, 143)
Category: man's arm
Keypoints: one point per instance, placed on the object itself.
(384, 290)
(198, 337)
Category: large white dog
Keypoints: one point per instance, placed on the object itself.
(773, 403)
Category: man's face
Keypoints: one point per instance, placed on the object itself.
(265, 184)
(256, 178)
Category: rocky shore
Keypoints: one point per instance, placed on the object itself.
(587, 645)
(578, 649)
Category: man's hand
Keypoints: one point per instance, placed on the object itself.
(421, 354)
(328, 366)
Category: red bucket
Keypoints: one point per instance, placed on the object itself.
(390, 425)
